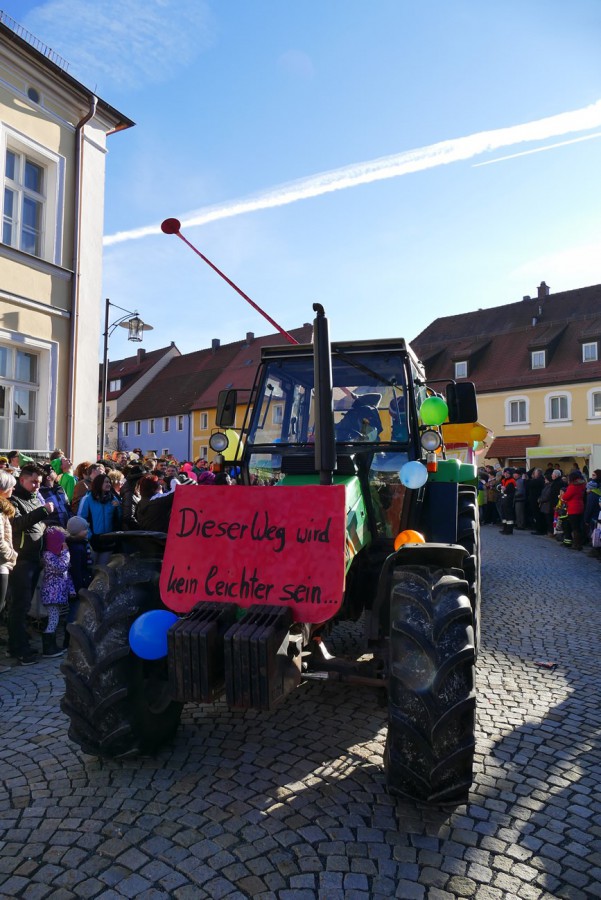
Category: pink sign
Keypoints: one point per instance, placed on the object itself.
(278, 546)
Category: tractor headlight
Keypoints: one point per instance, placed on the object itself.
(218, 441)
(430, 441)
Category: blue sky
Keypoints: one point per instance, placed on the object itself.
(396, 161)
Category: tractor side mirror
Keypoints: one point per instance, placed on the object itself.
(226, 408)
(462, 402)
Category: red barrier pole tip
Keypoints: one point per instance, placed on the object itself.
(171, 226)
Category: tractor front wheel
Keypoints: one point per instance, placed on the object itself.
(430, 745)
(118, 704)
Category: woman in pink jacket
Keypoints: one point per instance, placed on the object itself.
(573, 497)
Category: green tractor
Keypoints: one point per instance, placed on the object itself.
(369, 522)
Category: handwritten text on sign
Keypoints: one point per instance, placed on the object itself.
(244, 545)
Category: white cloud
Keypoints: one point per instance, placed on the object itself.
(124, 43)
(394, 166)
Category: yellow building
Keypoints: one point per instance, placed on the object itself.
(537, 369)
(53, 146)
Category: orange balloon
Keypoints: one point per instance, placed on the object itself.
(408, 537)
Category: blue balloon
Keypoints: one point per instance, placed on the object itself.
(148, 634)
(414, 474)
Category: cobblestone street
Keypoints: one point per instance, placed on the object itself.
(292, 805)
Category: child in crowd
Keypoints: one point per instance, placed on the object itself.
(57, 586)
(81, 566)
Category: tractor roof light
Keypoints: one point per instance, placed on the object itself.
(218, 441)
(430, 440)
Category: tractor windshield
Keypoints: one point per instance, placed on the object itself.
(369, 400)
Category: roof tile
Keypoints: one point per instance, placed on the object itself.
(193, 380)
(505, 336)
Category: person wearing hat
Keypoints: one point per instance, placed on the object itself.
(64, 474)
(56, 586)
(507, 500)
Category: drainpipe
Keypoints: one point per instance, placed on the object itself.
(79, 139)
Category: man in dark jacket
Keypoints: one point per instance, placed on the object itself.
(28, 524)
(534, 488)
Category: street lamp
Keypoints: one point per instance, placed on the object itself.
(136, 328)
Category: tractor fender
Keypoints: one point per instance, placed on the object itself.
(447, 556)
(444, 556)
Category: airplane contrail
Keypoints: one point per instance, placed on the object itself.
(405, 163)
(586, 137)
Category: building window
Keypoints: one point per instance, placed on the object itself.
(24, 199)
(115, 385)
(538, 359)
(31, 197)
(590, 352)
(278, 415)
(151, 426)
(138, 427)
(165, 451)
(558, 408)
(126, 429)
(595, 404)
(461, 369)
(19, 388)
(180, 423)
(204, 421)
(107, 411)
(166, 423)
(517, 412)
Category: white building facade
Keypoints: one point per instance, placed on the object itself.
(53, 144)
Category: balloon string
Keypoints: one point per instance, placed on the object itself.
(282, 331)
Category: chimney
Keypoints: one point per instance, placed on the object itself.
(543, 290)
(250, 336)
(141, 355)
(215, 344)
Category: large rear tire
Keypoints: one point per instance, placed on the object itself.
(118, 704)
(430, 746)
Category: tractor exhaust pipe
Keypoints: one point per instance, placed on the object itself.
(325, 439)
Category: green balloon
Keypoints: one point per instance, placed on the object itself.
(434, 411)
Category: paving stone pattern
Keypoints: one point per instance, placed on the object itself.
(292, 805)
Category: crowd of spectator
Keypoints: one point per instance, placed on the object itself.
(52, 518)
(562, 506)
